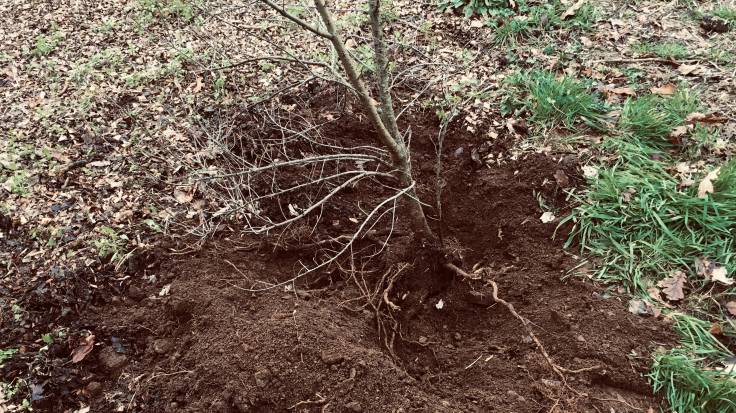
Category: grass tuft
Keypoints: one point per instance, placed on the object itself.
(654, 117)
(665, 50)
(640, 222)
(553, 102)
(688, 376)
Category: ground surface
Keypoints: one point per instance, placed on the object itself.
(104, 232)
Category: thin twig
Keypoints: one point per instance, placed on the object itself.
(297, 20)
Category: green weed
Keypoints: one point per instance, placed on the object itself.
(512, 31)
(553, 102)
(149, 11)
(727, 13)
(45, 44)
(6, 354)
(110, 245)
(666, 50)
(654, 116)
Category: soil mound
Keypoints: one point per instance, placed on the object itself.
(210, 346)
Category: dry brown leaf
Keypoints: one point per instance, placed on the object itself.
(672, 286)
(182, 197)
(706, 185)
(573, 9)
(643, 308)
(731, 307)
(720, 274)
(627, 194)
(656, 295)
(85, 347)
(689, 69)
(197, 85)
(666, 90)
(712, 271)
(716, 329)
(705, 118)
(620, 91)
(680, 131)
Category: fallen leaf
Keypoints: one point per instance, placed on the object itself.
(182, 197)
(680, 131)
(99, 164)
(643, 308)
(672, 286)
(705, 118)
(561, 178)
(712, 271)
(720, 274)
(165, 291)
(666, 90)
(716, 329)
(197, 85)
(689, 69)
(706, 185)
(572, 9)
(547, 217)
(731, 307)
(654, 293)
(85, 346)
(627, 194)
(620, 91)
(590, 171)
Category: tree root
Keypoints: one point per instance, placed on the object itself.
(557, 369)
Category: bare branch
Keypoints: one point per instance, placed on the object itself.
(345, 248)
(300, 22)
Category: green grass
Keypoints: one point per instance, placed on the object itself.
(665, 50)
(552, 102)
(692, 377)
(45, 44)
(6, 354)
(727, 13)
(639, 223)
(654, 117)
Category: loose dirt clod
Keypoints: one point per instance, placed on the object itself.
(110, 360)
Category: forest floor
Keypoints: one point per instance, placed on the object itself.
(581, 170)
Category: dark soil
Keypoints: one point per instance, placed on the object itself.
(211, 346)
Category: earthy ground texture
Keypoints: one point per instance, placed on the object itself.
(127, 277)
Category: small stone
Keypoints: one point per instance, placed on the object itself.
(135, 293)
(331, 358)
(93, 388)
(580, 338)
(163, 345)
(354, 407)
(262, 377)
(110, 360)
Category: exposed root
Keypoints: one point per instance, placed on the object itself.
(390, 286)
(558, 370)
(318, 401)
